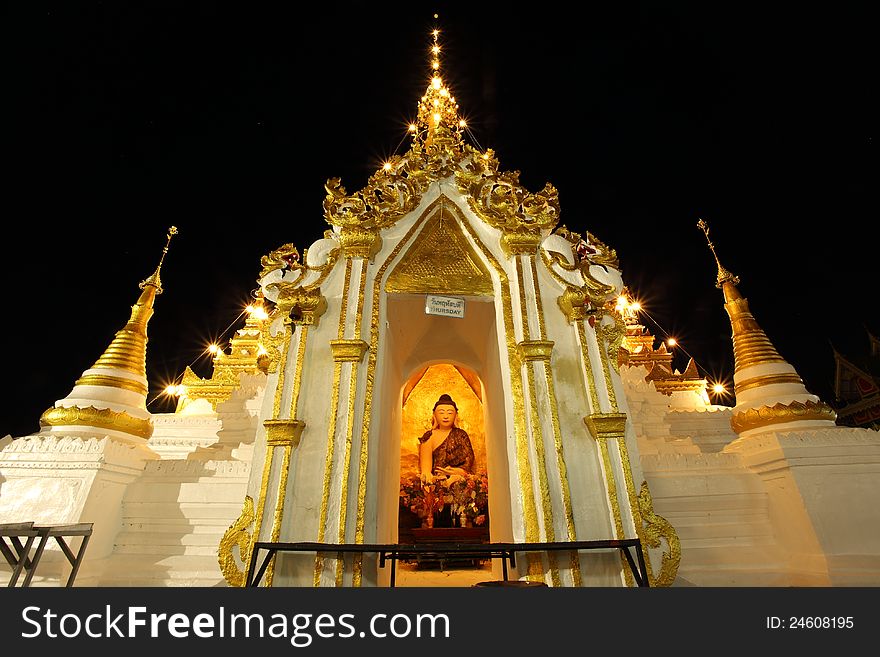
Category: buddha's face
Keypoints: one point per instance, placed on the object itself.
(445, 415)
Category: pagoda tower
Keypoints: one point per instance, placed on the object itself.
(110, 397)
(770, 395)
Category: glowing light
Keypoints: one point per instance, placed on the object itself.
(719, 389)
(436, 83)
(435, 65)
(436, 118)
(435, 32)
(171, 390)
(262, 351)
(260, 313)
(672, 342)
(413, 127)
(435, 49)
(387, 166)
(444, 92)
(213, 348)
(462, 124)
(635, 305)
(621, 301)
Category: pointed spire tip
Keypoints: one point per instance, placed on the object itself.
(724, 276)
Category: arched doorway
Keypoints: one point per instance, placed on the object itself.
(454, 510)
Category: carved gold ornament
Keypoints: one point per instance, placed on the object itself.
(237, 536)
(499, 200)
(754, 418)
(100, 418)
(441, 261)
(654, 529)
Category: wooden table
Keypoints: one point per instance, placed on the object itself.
(18, 554)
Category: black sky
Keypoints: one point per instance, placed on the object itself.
(226, 120)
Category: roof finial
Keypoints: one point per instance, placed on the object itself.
(154, 280)
(724, 276)
(437, 109)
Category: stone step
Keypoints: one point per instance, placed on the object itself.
(144, 569)
(185, 510)
(172, 539)
(168, 550)
(182, 525)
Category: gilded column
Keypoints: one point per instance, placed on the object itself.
(348, 351)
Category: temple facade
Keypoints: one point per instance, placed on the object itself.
(445, 276)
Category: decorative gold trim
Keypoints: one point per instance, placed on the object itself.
(795, 411)
(440, 261)
(543, 483)
(99, 418)
(520, 242)
(283, 433)
(574, 561)
(603, 426)
(350, 428)
(279, 503)
(633, 501)
(588, 366)
(656, 528)
(348, 350)
(112, 382)
(282, 373)
(767, 380)
(237, 536)
(297, 374)
(302, 306)
(359, 242)
(530, 350)
(331, 430)
(261, 499)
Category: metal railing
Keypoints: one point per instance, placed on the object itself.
(393, 552)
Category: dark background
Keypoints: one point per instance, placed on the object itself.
(226, 120)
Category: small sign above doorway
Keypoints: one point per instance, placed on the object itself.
(445, 306)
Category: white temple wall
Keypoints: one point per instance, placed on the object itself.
(822, 486)
(65, 480)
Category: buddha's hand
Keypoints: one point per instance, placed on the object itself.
(453, 474)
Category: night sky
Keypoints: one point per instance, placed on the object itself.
(225, 120)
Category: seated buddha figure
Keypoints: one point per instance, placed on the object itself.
(445, 450)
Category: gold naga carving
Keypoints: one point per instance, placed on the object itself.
(500, 200)
(655, 529)
(592, 298)
(237, 536)
(390, 193)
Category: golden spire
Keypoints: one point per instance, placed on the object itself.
(750, 344)
(110, 397)
(769, 392)
(128, 351)
(437, 109)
